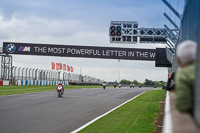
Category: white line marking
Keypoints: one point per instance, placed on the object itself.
(95, 119)
(167, 124)
(25, 94)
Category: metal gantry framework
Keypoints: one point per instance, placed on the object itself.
(6, 67)
(128, 32)
(172, 37)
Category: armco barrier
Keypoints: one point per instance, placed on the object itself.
(40, 82)
(4, 82)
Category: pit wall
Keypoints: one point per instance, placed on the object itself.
(176, 121)
(40, 82)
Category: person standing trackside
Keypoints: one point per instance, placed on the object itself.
(171, 82)
(185, 76)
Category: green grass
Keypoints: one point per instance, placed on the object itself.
(11, 90)
(136, 116)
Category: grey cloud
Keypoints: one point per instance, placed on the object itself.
(88, 26)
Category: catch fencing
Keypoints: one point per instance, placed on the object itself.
(190, 29)
(31, 76)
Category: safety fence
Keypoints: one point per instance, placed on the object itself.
(80, 79)
(189, 30)
(30, 76)
(40, 82)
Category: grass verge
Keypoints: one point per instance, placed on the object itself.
(137, 116)
(11, 90)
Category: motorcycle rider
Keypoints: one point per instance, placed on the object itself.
(120, 85)
(104, 84)
(114, 85)
(131, 85)
(61, 85)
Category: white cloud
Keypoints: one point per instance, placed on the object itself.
(35, 29)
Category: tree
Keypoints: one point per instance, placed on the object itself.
(146, 82)
(135, 82)
(149, 82)
(124, 81)
(140, 83)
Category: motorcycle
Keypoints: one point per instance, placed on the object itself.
(133, 85)
(114, 85)
(120, 85)
(60, 90)
(104, 87)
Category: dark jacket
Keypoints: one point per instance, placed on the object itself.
(171, 82)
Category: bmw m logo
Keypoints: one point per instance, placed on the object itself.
(10, 48)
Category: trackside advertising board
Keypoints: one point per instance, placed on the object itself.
(79, 51)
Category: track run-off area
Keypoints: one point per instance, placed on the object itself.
(46, 113)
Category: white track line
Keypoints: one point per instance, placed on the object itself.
(90, 122)
(17, 94)
(24, 94)
(167, 124)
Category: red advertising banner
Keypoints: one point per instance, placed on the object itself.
(53, 65)
(68, 68)
(57, 66)
(60, 66)
(64, 67)
(72, 70)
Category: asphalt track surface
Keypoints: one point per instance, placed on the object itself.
(46, 113)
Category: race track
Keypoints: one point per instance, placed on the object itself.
(46, 113)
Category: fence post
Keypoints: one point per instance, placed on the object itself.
(36, 74)
(26, 74)
(33, 73)
(29, 73)
(18, 72)
(23, 72)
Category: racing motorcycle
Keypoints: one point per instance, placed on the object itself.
(60, 90)
(114, 85)
(120, 85)
(104, 85)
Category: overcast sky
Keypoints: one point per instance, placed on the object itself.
(83, 22)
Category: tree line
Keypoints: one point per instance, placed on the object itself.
(147, 82)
